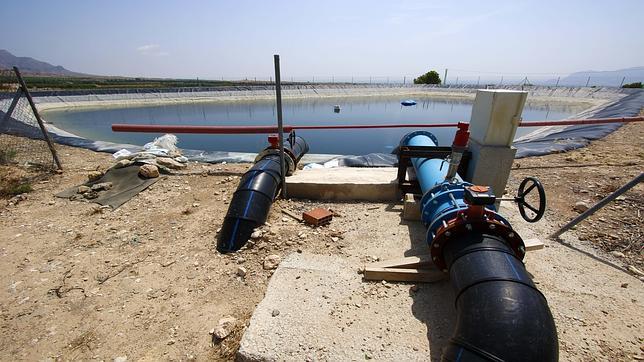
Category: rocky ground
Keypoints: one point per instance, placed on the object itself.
(576, 180)
(144, 281)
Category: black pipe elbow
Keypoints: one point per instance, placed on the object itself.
(254, 196)
(501, 315)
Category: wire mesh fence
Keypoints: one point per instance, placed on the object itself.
(22, 142)
(458, 78)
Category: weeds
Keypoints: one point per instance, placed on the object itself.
(7, 156)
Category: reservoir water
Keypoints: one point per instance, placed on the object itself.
(96, 123)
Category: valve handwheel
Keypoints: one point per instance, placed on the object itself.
(526, 187)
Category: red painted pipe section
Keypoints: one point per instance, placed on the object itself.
(150, 128)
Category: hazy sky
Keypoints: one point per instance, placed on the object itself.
(210, 39)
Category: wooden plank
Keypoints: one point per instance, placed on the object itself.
(403, 275)
(407, 262)
(533, 244)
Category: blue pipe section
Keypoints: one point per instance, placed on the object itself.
(502, 316)
(442, 199)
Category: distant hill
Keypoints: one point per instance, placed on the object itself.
(29, 65)
(611, 78)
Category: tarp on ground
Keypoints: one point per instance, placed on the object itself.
(553, 139)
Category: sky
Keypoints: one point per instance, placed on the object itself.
(330, 38)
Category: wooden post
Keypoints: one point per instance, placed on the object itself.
(41, 124)
(280, 126)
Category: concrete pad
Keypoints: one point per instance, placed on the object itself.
(326, 312)
(345, 183)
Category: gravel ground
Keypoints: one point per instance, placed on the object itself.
(144, 281)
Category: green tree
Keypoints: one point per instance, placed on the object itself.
(430, 77)
(633, 85)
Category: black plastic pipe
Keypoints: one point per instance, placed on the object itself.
(501, 315)
(254, 196)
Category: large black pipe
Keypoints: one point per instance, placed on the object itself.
(501, 315)
(255, 194)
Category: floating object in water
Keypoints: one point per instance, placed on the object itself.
(408, 102)
(336, 108)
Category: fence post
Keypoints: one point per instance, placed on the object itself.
(280, 126)
(41, 124)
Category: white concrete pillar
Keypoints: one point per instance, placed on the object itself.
(495, 117)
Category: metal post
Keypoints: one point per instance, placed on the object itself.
(280, 126)
(558, 79)
(445, 77)
(404, 80)
(599, 205)
(41, 124)
(622, 83)
(501, 81)
(588, 81)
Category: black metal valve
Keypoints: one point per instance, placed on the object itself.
(525, 188)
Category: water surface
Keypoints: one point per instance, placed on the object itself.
(96, 123)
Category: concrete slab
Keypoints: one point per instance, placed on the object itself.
(326, 312)
(345, 183)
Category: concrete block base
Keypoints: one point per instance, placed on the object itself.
(345, 183)
(411, 208)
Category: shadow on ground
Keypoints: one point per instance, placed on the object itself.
(432, 303)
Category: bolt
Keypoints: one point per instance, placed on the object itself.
(511, 235)
(447, 233)
(434, 258)
(492, 226)
(436, 245)
(468, 226)
(522, 249)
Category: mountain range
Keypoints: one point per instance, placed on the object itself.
(610, 78)
(29, 65)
